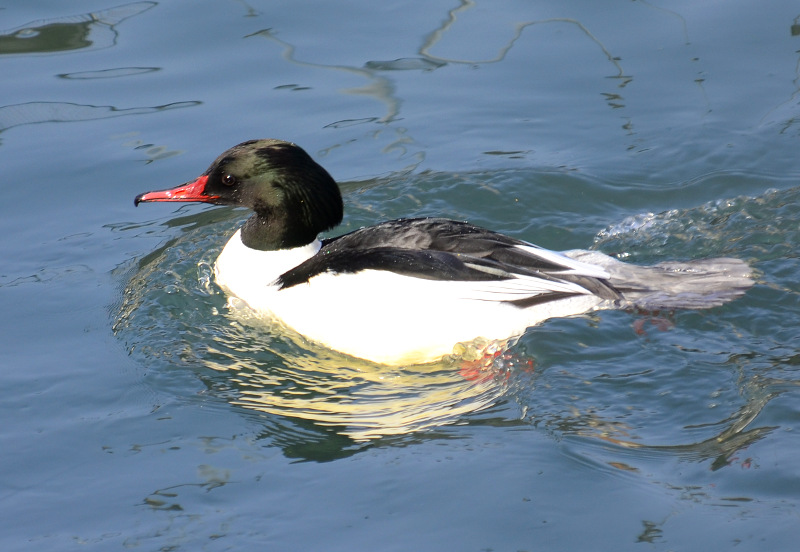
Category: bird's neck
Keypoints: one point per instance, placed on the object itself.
(274, 231)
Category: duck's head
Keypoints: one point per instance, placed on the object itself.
(293, 197)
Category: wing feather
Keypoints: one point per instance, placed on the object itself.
(500, 268)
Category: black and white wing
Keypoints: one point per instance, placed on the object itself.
(503, 268)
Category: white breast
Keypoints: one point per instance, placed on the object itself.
(249, 273)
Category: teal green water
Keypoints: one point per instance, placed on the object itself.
(138, 412)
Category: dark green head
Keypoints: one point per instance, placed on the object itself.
(293, 197)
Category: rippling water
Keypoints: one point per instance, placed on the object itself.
(680, 382)
(258, 364)
(141, 410)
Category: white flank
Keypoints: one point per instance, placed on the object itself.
(386, 317)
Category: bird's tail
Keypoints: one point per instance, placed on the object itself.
(698, 284)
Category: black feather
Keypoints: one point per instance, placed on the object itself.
(440, 249)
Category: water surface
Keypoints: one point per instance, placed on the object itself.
(138, 412)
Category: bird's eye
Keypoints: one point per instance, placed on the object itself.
(229, 180)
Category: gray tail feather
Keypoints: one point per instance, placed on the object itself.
(698, 284)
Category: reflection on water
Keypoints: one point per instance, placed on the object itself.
(729, 436)
(62, 112)
(379, 87)
(437, 35)
(477, 34)
(115, 73)
(268, 368)
(93, 30)
(360, 400)
(785, 112)
(383, 88)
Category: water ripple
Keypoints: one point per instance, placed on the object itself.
(692, 385)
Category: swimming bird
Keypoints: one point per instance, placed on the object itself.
(407, 290)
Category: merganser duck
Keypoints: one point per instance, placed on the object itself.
(406, 291)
